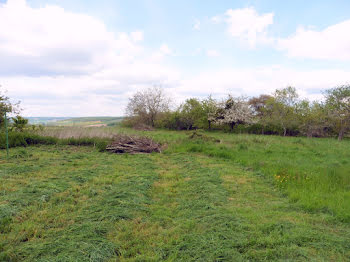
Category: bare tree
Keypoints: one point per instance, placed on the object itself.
(148, 104)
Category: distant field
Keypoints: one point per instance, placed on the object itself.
(75, 121)
(247, 197)
(44, 120)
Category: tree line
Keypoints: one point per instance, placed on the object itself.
(281, 113)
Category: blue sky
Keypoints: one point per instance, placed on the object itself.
(84, 57)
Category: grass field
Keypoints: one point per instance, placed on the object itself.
(247, 198)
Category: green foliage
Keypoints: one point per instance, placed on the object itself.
(102, 145)
(7, 106)
(281, 109)
(193, 114)
(24, 139)
(338, 105)
(19, 123)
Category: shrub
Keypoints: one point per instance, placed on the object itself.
(17, 139)
(101, 146)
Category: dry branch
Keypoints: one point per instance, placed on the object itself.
(133, 145)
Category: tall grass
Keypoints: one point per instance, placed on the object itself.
(313, 172)
(24, 139)
(78, 132)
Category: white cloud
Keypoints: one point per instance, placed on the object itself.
(213, 53)
(217, 19)
(59, 62)
(137, 36)
(247, 25)
(197, 25)
(52, 40)
(164, 48)
(71, 65)
(263, 80)
(163, 51)
(330, 43)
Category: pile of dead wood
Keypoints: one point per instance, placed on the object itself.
(133, 145)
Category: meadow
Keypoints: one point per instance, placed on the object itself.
(213, 197)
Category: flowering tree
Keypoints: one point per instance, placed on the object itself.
(233, 111)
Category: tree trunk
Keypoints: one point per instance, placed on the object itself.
(152, 122)
(209, 125)
(232, 125)
(309, 134)
(341, 134)
(284, 131)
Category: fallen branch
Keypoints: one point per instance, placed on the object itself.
(133, 145)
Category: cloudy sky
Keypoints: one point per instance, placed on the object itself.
(85, 57)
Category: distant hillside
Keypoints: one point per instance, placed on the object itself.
(75, 121)
(44, 120)
(89, 121)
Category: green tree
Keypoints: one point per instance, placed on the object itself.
(313, 119)
(260, 106)
(281, 109)
(338, 106)
(6, 106)
(19, 123)
(192, 114)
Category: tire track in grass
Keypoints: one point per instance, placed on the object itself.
(275, 229)
(206, 229)
(144, 237)
(187, 220)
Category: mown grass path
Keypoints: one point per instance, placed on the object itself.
(75, 204)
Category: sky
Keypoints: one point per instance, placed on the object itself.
(86, 58)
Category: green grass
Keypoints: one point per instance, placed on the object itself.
(197, 201)
(314, 173)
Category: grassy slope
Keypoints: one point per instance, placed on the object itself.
(194, 202)
(314, 172)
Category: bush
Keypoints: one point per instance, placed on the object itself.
(101, 146)
(17, 139)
